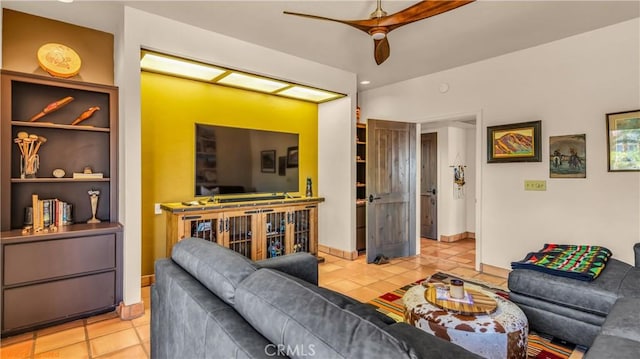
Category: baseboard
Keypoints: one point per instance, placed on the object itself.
(338, 252)
(147, 280)
(132, 311)
(495, 271)
(458, 237)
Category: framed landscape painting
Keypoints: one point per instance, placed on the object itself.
(568, 156)
(623, 140)
(518, 142)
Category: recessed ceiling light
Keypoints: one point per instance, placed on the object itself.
(365, 82)
(66, 1)
(168, 65)
(252, 82)
(309, 94)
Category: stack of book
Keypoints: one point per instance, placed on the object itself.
(50, 212)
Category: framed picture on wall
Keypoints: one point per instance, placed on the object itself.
(292, 157)
(268, 161)
(517, 142)
(623, 141)
(568, 156)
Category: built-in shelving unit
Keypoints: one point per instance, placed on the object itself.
(361, 185)
(77, 264)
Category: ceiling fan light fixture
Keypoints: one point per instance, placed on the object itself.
(378, 33)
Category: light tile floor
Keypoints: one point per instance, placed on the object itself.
(106, 336)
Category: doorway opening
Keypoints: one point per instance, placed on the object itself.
(450, 175)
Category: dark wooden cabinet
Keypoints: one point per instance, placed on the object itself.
(56, 277)
(257, 230)
(73, 270)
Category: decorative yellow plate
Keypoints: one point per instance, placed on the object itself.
(59, 60)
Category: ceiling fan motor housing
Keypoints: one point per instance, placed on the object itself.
(378, 33)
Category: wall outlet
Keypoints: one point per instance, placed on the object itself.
(535, 185)
(157, 209)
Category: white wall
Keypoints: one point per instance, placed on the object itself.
(569, 85)
(141, 29)
(470, 179)
(457, 155)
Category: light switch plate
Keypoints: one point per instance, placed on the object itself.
(157, 209)
(535, 185)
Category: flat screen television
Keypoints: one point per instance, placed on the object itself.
(232, 161)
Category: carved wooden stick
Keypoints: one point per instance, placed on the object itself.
(52, 107)
(85, 115)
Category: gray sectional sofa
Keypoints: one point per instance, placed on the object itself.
(603, 314)
(210, 302)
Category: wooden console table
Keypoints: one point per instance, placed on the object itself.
(257, 229)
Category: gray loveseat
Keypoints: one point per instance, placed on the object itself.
(210, 302)
(603, 314)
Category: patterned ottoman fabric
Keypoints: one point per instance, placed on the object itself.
(501, 334)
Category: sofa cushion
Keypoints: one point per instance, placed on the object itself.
(188, 321)
(428, 346)
(217, 268)
(624, 319)
(630, 286)
(607, 346)
(595, 297)
(288, 312)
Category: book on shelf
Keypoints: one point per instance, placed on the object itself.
(80, 175)
(50, 212)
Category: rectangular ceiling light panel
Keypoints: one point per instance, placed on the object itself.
(179, 67)
(252, 82)
(309, 94)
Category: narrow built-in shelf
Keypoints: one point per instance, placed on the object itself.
(58, 180)
(361, 161)
(58, 126)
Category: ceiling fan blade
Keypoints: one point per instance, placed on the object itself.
(363, 25)
(419, 11)
(381, 50)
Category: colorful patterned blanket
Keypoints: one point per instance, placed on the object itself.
(573, 261)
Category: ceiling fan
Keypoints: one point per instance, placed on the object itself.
(379, 24)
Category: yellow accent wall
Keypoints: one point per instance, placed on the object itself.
(170, 109)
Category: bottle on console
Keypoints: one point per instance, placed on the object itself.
(309, 192)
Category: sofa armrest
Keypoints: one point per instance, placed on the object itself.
(301, 265)
(636, 248)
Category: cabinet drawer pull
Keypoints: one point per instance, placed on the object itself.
(188, 218)
(312, 206)
(252, 211)
(267, 210)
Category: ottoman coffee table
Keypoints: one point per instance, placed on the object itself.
(492, 326)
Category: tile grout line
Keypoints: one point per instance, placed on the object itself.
(87, 342)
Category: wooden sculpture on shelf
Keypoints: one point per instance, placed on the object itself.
(52, 107)
(85, 115)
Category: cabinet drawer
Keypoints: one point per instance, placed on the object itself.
(27, 262)
(46, 302)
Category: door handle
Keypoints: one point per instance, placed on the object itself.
(433, 191)
(372, 198)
